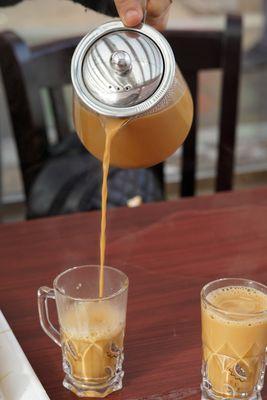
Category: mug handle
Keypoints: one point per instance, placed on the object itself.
(44, 294)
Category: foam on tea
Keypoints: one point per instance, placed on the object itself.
(239, 300)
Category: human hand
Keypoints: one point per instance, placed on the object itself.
(131, 12)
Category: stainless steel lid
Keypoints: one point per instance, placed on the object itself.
(122, 72)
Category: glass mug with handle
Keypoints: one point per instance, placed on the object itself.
(91, 328)
(234, 336)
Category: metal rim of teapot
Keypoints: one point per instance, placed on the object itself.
(120, 112)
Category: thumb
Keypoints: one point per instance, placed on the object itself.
(130, 11)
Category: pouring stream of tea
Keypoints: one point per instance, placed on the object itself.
(112, 126)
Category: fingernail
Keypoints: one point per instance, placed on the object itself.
(132, 17)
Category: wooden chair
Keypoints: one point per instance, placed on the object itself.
(25, 72)
(28, 70)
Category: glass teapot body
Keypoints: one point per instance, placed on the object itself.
(144, 140)
(149, 131)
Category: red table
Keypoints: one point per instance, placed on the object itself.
(169, 250)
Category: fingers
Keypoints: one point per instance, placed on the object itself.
(157, 8)
(159, 23)
(158, 13)
(130, 11)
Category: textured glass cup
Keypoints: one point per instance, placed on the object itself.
(234, 343)
(91, 328)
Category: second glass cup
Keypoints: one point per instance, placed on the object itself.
(91, 329)
(234, 336)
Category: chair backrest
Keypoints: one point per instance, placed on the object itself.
(196, 51)
(27, 70)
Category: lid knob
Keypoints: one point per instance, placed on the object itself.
(121, 61)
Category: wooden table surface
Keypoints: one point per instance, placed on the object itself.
(169, 251)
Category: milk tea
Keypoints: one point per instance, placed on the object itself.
(116, 141)
(92, 341)
(112, 127)
(141, 142)
(234, 340)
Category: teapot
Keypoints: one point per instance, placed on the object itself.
(127, 77)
